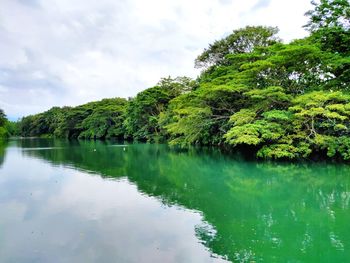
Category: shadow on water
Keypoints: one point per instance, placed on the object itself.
(260, 211)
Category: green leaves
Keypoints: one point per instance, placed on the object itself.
(329, 13)
(3, 123)
(284, 151)
(334, 146)
(243, 40)
(322, 104)
(270, 96)
(329, 24)
(278, 115)
(88, 121)
(255, 133)
(144, 111)
(242, 117)
(285, 128)
(2, 118)
(189, 126)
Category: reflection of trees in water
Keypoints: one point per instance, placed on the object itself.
(259, 211)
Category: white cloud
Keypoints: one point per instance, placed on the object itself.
(71, 52)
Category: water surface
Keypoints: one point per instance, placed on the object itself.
(76, 201)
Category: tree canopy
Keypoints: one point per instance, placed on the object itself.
(7, 128)
(94, 120)
(242, 40)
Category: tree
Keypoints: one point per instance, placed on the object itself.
(243, 40)
(142, 121)
(2, 118)
(330, 25)
(106, 120)
(99, 119)
(3, 123)
(329, 13)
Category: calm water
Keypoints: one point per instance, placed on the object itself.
(104, 202)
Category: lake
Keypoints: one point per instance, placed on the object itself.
(87, 201)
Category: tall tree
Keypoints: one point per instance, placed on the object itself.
(143, 111)
(242, 40)
(329, 23)
(2, 118)
(3, 123)
(329, 13)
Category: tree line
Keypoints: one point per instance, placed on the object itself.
(278, 100)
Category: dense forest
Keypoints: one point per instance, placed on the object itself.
(278, 100)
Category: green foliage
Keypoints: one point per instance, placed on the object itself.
(144, 111)
(201, 117)
(94, 120)
(105, 121)
(330, 27)
(4, 133)
(329, 13)
(323, 112)
(190, 126)
(243, 40)
(255, 133)
(284, 151)
(244, 116)
(2, 118)
(13, 128)
(7, 128)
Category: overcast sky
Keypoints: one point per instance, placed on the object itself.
(69, 52)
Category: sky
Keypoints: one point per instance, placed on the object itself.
(69, 52)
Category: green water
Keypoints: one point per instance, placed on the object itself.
(104, 202)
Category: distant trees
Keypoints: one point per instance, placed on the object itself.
(94, 120)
